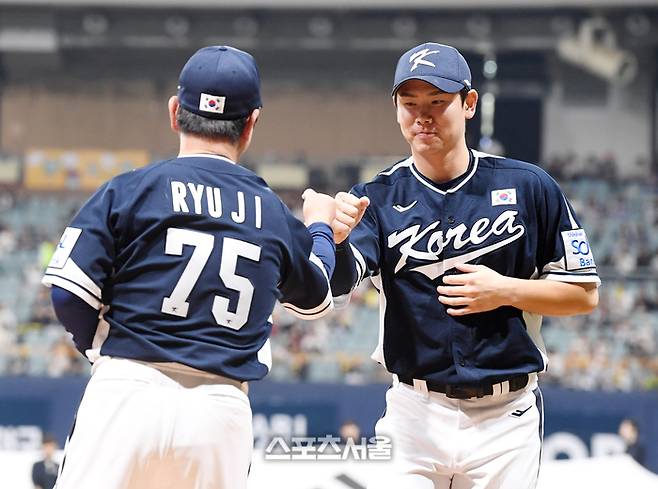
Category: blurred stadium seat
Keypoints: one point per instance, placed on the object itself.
(616, 347)
(86, 98)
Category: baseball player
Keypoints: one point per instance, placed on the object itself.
(182, 261)
(467, 251)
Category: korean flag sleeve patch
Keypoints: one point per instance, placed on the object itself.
(577, 251)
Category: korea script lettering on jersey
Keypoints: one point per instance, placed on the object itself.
(508, 215)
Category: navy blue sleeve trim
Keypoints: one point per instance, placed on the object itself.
(78, 317)
(83, 287)
(345, 275)
(323, 245)
(309, 315)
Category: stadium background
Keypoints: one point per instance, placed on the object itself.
(571, 85)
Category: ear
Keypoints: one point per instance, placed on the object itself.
(248, 132)
(172, 107)
(397, 109)
(470, 104)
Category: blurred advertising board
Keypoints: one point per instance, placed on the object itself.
(83, 169)
(10, 169)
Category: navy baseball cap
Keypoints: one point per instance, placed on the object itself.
(440, 65)
(220, 82)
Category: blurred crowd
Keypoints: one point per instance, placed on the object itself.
(615, 347)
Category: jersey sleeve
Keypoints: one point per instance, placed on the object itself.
(564, 252)
(304, 286)
(363, 254)
(83, 259)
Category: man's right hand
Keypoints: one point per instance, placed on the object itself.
(318, 207)
(349, 211)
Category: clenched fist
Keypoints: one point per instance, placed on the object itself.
(318, 207)
(349, 211)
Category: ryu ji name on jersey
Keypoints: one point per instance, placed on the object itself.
(185, 259)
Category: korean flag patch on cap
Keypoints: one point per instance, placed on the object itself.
(577, 251)
(212, 103)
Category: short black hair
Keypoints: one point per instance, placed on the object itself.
(191, 123)
(463, 93)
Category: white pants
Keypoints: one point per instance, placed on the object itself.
(441, 443)
(141, 428)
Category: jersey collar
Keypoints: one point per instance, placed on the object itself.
(207, 155)
(453, 185)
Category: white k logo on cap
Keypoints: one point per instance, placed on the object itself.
(418, 58)
(212, 103)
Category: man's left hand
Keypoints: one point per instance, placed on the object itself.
(477, 289)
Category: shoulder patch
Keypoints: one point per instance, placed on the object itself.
(577, 251)
(65, 247)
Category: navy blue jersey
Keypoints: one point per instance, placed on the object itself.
(508, 215)
(186, 259)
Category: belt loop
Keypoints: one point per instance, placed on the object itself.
(504, 387)
(532, 380)
(421, 386)
(497, 389)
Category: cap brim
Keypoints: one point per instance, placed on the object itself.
(448, 86)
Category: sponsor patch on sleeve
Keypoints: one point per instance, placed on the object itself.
(65, 247)
(577, 251)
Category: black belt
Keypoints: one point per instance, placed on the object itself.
(456, 391)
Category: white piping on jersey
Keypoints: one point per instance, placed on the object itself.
(591, 278)
(481, 154)
(318, 263)
(533, 327)
(574, 224)
(378, 354)
(409, 163)
(206, 155)
(559, 267)
(556, 270)
(50, 280)
(73, 272)
(401, 164)
(314, 313)
(317, 311)
(451, 190)
(72, 278)
(533, 323)
(360, 264)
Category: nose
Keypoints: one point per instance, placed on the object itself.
(424, 118)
